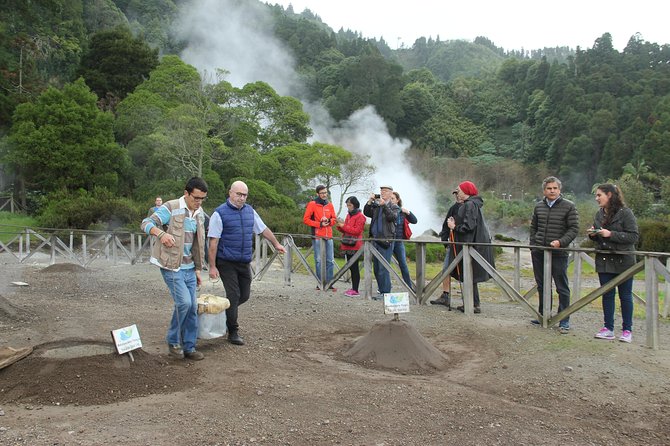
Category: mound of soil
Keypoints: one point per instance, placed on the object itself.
(399, 346)
(64, 268)
(92, 380)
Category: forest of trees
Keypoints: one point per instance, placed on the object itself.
(98, 112)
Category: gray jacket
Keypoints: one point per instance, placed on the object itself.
(625, 236)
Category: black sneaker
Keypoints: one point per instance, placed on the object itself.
(235, 339)
(535, 322)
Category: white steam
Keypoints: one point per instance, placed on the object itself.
(237, 36)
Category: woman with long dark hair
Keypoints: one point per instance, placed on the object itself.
(352, 226)
(614, 229)
(399, 247)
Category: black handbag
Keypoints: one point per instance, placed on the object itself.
(349, 240)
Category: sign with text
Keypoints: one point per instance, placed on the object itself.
(126, 339)
(396, 303)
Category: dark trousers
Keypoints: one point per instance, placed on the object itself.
(626, 298)
(236, 278)
(559, 273)
(354, 270)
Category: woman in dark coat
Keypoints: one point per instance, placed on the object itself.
(469, 226)
(614, 229)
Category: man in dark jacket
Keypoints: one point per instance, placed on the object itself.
(384, 215)
(231, 231)
(555, 224)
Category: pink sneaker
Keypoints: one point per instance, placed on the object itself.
(626, 336)
(354, 293)
(605, 333)
(351, 293)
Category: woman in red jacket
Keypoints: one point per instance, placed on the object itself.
(353, 226)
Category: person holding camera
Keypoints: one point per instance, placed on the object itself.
(384, 215)
(614, 229)
(555, 224)
(352, 227)
(320, 216)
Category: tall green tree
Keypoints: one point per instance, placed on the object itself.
(63, 141)
(116, 63)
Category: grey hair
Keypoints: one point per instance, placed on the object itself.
(551, 180)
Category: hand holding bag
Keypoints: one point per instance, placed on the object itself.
(212, 311)
(406, 231)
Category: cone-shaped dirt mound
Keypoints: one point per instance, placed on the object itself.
(396, 345)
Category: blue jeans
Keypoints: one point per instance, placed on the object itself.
(330, 258)
(401, 257)
(559, 272)
(626, 298)
(381, 274)
(183, 328)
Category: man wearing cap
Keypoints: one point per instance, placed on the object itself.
(555, 223)
(384, 214)
(469, 227)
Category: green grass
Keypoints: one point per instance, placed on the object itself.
(11, 224)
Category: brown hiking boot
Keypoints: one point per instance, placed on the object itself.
(444, 299)
(176, 351)
(194, 355)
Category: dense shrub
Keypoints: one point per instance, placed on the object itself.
(80, 209)
(654, 235)
(285, 221)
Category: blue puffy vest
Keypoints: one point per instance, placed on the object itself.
(236, 240)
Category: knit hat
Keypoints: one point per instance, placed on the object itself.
(468, 188)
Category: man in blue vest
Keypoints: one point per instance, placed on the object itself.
(231, 230)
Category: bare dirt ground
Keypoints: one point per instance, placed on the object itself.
(502, 382)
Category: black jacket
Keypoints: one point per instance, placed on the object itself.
(559, 222)
(624, 237)
(389, 215)
(471, 227)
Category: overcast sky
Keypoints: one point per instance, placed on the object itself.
(513, 24)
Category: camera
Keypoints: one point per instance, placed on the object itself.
(377, 196)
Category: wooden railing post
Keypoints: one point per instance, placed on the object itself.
(420, 270)
(666, 304)
(546, 291)
(651, 293)
(468, 305)
(288, 259)
(517, 268)
(367, 269)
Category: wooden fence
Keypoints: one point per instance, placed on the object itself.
(84, 247)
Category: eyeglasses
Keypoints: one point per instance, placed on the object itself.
(198, 198)
(241, 194)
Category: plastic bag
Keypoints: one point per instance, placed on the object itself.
(212, 310)
(211, 326)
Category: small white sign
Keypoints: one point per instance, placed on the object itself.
(126, 339)
(396, 303)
